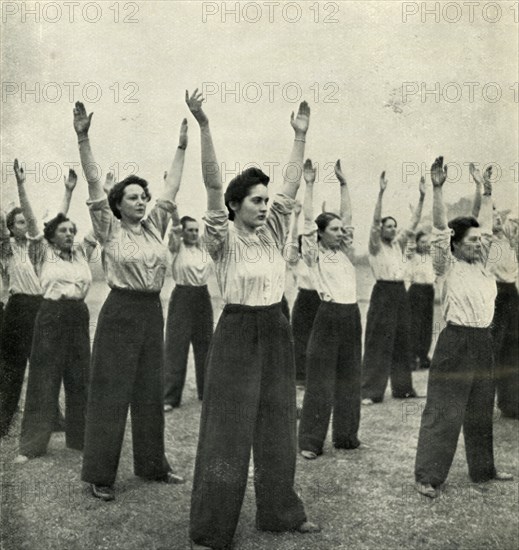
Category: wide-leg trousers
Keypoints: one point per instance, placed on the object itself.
(303, 314)
(505, 334)
(15, 350)
(460, 393)
(386, 347)
(421, 305)
(60, 352)
(126, 371)
(333, 379)
(249, 402)
(190, 321)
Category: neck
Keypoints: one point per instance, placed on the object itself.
(387, 240)
(132, 223)
(244, 228)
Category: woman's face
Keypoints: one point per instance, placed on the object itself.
(333, 235)
(190, 233)
(63, 238)
(388, 232)
(252, 212)
(423, 245)
(19, 228)
(469, 248)
(133, 203)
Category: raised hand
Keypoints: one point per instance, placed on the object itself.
(297, 208)
(194, 102)
(339, 174)
(70, 182)
(19, 173)
(309, 172)
(421, 186)
(109, 182)
(81, 119)
(475, 173)
(438, 172)
(301, 122)
(487, 181)
(182, 140)
(383, 181)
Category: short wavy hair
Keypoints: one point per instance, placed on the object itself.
(240, 186)
(460, 227)
(49, 228)
(117, 192)
(11, 218)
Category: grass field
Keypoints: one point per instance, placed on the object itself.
(363, 498)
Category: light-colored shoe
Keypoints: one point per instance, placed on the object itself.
(367, 401)
(308, 527)
(195, 546)
(426, 489)
(168, 408)
(310, 455)
(21, 459)
(503, 476)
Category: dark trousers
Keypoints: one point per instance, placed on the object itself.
(190, 321)
(333, 378)
(505, 334)
(249, 401)
(126, 371)
(460, 392)
(303, 314)
(60, 352)
(15, 350)
(421, 304)
(386, 348)
(284, 307)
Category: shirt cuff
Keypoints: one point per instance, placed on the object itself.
(98, 204)
(167, 205)
(284, 203)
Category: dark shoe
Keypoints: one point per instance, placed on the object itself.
(172, 479)
(104, 492)
(425, 363)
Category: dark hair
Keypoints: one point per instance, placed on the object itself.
(184, 220)
(11, 218)
(49, 228)
(322, 221)
(419, 235)
(117, 192)
(460, 226)
(239, 187)
(384, 220)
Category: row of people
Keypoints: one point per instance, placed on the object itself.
(250, 360)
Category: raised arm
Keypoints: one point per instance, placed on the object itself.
(293, 245)
(417, 212)
(374, 237)
(309, 247)
(294, 170)
(70, 184)
(486, 211)
(476, 176)
(25, 204)
(441, 237)
(345, 196)
(173, 178)
(81, 126)
(210, 168)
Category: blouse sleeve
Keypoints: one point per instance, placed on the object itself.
(309, 244)
(278, 218)
(175, 239)
(347, 243)
(102, 218)
(216, 234)
(160, 215)
(441, 250)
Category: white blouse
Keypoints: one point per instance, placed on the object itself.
(191, 264)
(250, 269)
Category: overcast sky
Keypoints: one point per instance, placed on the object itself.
(362, 66)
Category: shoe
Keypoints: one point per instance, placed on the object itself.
(172, 479)
(426, 489)
(408, 395)
(367, 401)
(21, 459)
(104, 492)
(308, 527)
(503, 476)
(195, 546)
(310, 455)
(168, 408)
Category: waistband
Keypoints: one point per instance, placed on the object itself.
(337, 306)
(237, 308)
(384, 282)
(191, 287)
(467, 329)
(64, 300)
(507, 286)
(141, 294)
(308, 290)
(424, 285)
(21, 295)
